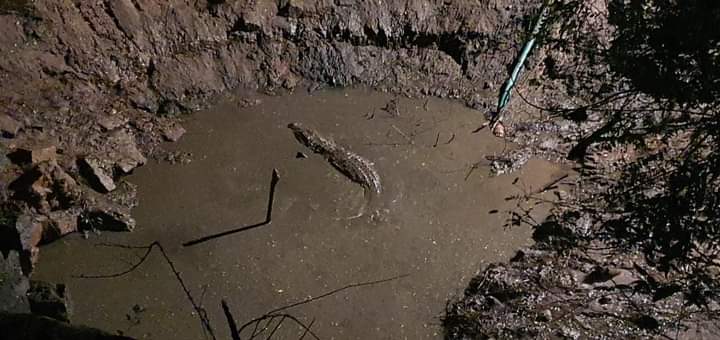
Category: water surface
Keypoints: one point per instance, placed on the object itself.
(432, 222)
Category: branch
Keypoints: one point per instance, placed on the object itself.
(268, 216)
(202, 314)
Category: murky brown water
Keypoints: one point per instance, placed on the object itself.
(434, 223)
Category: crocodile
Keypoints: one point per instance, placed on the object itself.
(350, 164)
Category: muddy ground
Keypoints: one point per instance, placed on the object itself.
(89, 90)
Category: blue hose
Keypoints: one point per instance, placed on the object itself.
(509, 84)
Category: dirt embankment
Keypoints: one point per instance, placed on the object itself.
(90, 89)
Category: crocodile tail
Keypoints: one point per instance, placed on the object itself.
(367, 199)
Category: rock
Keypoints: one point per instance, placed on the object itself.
(600, 275)
(291, 8)
(109, 123)
(545, 316)
(620, 277)
(60, 223)
(499, 130)
(28, 259)
(51, 300)
(126, 165)
(13, 285)
(66, 191)
(173, 132)
(38, 191)
(92, 168)
(107, 216)
(9, 127)
(34, 153)
(125, 152)
(29, 230)
(36, 327)
(46, 187)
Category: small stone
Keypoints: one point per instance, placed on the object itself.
(173, 132)
(93, 170)
(109, 123)
(499, 130)
(138, 308)
(51, 300)
(126, 165)
(545, 316)
(9, 127)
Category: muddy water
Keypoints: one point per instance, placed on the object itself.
(431, 222)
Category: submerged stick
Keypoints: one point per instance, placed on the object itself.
(202, 314)
(230, 320)
(276, 313)
(335, 291)
(268, 216)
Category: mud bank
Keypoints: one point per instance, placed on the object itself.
(170, 58)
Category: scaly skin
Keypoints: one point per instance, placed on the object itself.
(350, 164)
